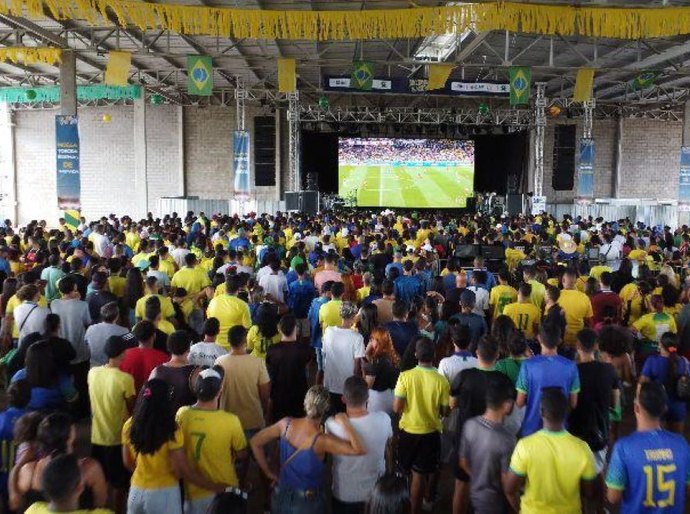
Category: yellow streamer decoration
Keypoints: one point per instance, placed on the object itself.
(30, 55)
(604, 22)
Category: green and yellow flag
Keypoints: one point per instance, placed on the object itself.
(584, 81)
(199, 75)
(644, 80)
(117, 69)
(520, 82)
(362, 75)
(72, 219)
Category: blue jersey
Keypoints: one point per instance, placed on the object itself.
(314, 324)
(300, 295)
(540, 372)
(407, 288)
(7, 421)
(652, 469)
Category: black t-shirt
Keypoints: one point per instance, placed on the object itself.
(63, 352)
(469, 387)
(379, 261)
(590, 419)
(161, 341)
(384, 372)
(286, 364)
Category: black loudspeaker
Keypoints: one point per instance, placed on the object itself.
(265, 151)
(515, 204)
(563, 178)
(303, 201)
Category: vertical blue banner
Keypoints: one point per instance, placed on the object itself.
(240, 161)
(684, 183)
(585, 175)
(67, 160)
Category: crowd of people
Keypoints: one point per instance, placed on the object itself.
(216, 361)
(410, 151)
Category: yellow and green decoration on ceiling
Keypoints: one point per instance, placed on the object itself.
(412, 22)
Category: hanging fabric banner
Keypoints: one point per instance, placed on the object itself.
(583, 85)
(520, 80)
(117, 69)
(287, 75)
(67, 160)
(240, 162)
(684, 183)
(585, 173)
(438, 75)
(199, 75)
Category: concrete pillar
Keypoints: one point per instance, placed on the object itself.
(8, 166)
(618, 165)
(68, 83)
(182, 184)
(531, 161)
(140, 157)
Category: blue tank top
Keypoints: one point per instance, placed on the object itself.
(303, 471)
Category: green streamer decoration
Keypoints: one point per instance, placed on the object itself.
(51, 94)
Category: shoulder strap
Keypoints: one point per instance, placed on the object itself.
(27, 317)
(306, 445)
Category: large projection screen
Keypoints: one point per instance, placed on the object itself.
(416, 173)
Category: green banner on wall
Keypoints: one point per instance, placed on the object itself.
(15, 95)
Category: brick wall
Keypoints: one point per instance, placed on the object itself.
(650, 158)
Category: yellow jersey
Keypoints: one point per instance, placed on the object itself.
(425, 392)
(577, 307)
(211, 438)
(525, 316)
(500, 296)
(230, 311)
(553, 464)
(192, 280)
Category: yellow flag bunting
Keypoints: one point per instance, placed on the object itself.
(31, 55)
(530, 18)
(438, 75)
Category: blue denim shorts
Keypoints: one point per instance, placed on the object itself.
(295, 501)
(166, 500)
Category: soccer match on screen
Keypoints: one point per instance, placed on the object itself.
(416, 173)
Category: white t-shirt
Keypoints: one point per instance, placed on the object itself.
(205, 354)
(340, 348)
(275, 285)
(178, 255)
(450, 367)
(355, 477)
(29, 318)
(481, 303)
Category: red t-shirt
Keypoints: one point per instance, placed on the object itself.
(602, 300)
(140, 362)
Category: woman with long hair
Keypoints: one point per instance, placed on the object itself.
(503, 329)
(381, 370)
(9, 289)
(301, 481)
(368, 320)
(50, 389)
(56, 436)
(134, 289)
(153, 451)
(264, 332)
(665, 369)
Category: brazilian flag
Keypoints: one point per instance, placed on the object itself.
(72, 219)
(644, 80)
(199, 75)
(520, 81)
(362, 75)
